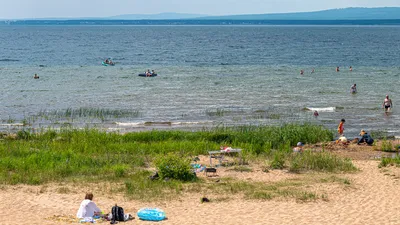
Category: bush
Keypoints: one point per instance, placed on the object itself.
(175, 167)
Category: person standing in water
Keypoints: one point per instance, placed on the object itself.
(301, 72)
(337, 69)
(36, 76)
(341, 127)
(351, 68)
(387, 104)
(353, 89)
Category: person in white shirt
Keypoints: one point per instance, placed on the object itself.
(88, 208)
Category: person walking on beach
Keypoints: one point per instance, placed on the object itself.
(341, 127)
(353, 89)
(387, 104)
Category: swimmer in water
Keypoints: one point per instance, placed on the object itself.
(337, 69)
(301, 72)
(387, 104)
(312, 71)
(316, 113)
(36, 76)
(353, 89)
(351, 68)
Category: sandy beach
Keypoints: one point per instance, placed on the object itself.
(370, 197)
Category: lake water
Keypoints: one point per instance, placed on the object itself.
(208, 76)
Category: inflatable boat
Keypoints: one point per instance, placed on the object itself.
(144, 75)
(107, 64)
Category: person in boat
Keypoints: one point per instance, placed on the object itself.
(387, 103)
(36, 76)
(110, 62)
(353, 89)
(148, 73)
(107, 61)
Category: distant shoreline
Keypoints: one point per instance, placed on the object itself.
(385, 22)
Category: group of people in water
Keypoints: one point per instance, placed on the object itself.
(337, 70)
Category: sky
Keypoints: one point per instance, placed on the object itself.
(19, 9)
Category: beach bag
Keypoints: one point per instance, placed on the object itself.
(117, 213)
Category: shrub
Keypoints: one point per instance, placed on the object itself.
(174, 167)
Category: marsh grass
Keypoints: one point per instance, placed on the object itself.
(320, 161)
(394, 161)
(217, 112)
(84, 112)
(387, 146)
(89, 154)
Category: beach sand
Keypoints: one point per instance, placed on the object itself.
(372, 198)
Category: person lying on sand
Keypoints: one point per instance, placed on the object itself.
(88, 208)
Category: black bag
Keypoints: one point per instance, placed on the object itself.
(117, 213)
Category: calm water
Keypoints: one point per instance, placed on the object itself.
(208, 75)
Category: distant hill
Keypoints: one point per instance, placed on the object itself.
(383, 13)
(160, 16)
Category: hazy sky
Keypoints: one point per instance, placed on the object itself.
(14, 9)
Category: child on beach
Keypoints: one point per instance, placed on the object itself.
(341, 127)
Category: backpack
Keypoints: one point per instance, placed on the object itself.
(117, 213)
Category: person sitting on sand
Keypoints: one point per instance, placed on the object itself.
(353, 89)
(298, 148)
(36, 76)
(88, 208)
(365, 138)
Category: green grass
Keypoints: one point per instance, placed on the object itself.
(395, 161)
(48, 156)
(320, 161)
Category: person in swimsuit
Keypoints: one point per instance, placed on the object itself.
(387, 103)
(36, 76)
(351, 68)
(341, 127)
(337, 69)
(353, 89)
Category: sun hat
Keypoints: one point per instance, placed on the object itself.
(299, 144)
